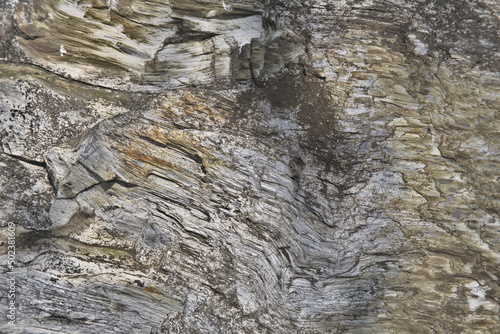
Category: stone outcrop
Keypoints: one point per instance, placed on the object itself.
(251, 166)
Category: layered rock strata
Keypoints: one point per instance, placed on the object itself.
(251, 167)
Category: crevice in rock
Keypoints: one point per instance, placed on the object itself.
(37, 163)
(180, 149)
(64, 77)
(105, 185)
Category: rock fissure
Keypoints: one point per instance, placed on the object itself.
(281, 167)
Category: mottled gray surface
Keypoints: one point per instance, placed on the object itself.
(251, 166)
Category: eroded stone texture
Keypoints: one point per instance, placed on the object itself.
(135, 45)
(339, 173)
(38, 111)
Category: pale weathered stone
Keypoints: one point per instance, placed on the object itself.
(314, 167)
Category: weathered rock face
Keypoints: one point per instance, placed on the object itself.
(251, 167)
(138, 45)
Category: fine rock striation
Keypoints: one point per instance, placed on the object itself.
(147, 46)
(251, 166)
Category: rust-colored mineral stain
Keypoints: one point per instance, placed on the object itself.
(152, 289)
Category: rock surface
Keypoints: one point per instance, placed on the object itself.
(251, 166)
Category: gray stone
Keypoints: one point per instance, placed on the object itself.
(251, 166)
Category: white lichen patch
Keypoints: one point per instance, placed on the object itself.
(62, 50)
(477, 295)
(227, 6)
(420, 47)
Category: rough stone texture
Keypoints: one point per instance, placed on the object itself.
(140, 45)
(251, 167)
